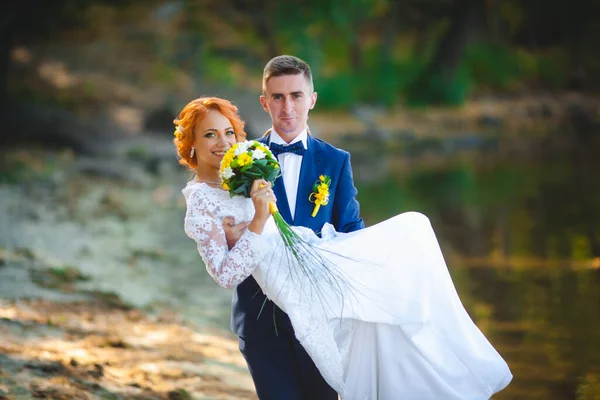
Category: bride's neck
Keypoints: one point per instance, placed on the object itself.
(211, 177)
(208, 175)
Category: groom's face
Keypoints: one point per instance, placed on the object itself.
(287, 99)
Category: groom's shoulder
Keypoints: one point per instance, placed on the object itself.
(330, 149)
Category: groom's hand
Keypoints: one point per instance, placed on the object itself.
(233, 231)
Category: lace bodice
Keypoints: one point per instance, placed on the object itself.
(206, 208)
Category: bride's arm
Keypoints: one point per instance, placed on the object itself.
(227, 267)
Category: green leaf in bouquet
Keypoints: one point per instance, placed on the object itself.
(254, 174)
(274, 174)
(239, 190)
(262, 170)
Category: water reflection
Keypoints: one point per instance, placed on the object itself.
(522, 239)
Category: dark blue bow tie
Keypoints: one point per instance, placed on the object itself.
(296, 148)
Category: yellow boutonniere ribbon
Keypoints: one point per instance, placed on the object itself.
(320, 194)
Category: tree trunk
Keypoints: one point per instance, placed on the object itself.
(263, 17)
(464, 25)
(390, 30)
(435, 83)
(267, 32)
(355, 53)
(7, 35)
(493, 18)
(5, 49)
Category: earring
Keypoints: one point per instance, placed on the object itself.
(192, 153)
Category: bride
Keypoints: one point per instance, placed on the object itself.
(391, 327)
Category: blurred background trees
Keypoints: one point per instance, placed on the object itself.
(380, 52)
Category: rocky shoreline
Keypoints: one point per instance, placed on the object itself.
(98, 349)
(102, 296)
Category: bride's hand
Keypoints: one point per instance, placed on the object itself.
(261, 195)
(233, 231)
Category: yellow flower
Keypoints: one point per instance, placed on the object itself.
(226, 161)
(178, 130)
(244, 159)
(225, 186)
(320, 194)
(320, 197)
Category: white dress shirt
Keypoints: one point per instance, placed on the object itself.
(290, 164)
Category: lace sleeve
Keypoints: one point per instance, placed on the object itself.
(227, 267)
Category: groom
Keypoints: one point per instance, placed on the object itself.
(279, 365)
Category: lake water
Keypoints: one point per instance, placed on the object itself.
(520, 228)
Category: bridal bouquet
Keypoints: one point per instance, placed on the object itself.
(247, 161)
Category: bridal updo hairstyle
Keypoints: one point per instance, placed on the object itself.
(191, 114)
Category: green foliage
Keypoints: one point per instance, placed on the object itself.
(60, 277)
(492, 64)
(13, 171)
(216, 69)
(139, 153)
(67, 274)
(163, 74)
(380, 81)
(552, 69)
(379, 201)
(436, 88)
(336, 92)
(501, 67)
(24, 167)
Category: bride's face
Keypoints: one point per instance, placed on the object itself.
(214, 135)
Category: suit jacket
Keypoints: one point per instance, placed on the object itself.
(342, 211)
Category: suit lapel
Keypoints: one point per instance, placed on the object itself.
(279, 188)
(308, 171)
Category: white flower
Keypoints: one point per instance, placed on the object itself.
(258, 154)
(242, 147)
(227, 173)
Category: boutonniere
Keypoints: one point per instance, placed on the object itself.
(320, 194)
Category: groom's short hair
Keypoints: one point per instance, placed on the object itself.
(286, 65)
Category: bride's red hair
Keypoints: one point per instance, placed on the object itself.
(194, 112)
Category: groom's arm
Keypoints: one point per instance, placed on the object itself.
(346, 210)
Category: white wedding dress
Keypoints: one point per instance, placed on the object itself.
(395, 330)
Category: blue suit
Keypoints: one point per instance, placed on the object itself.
(280, 367)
